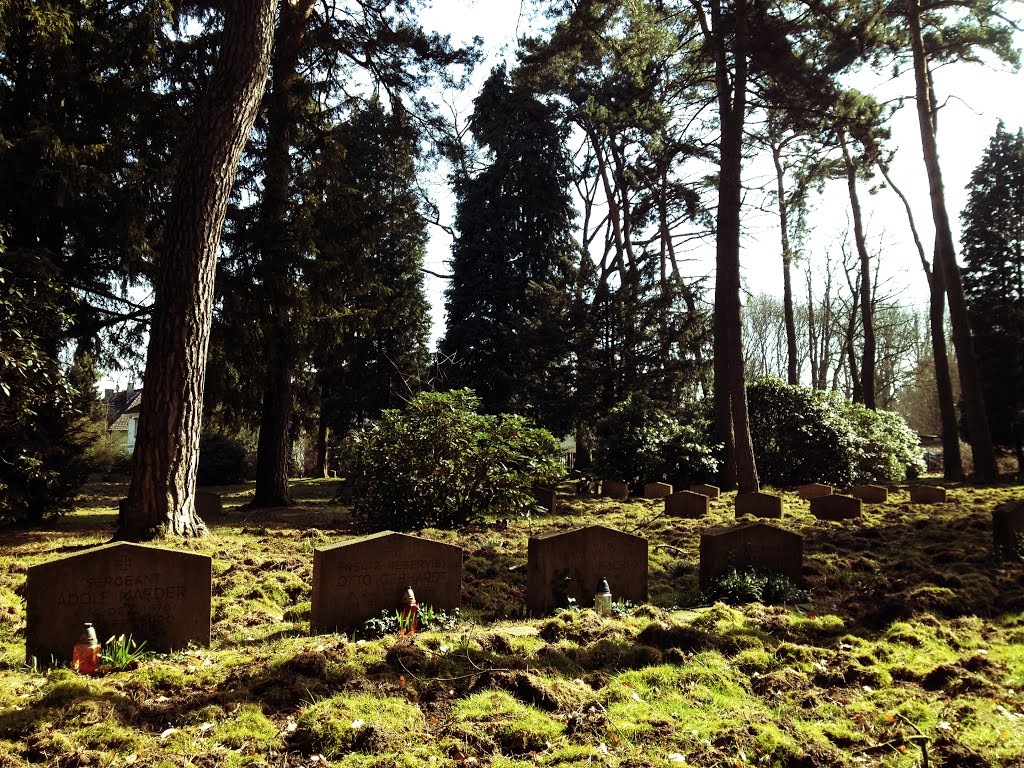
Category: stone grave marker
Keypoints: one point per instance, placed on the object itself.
(711, 491)
(615, 490)
(872, 494)
(657, 490)
(355, 580)
(546, 498)
(836, 507)
(927, 494)
(759, 505)
(570, 565)
(1008, 529)
(687, 504)
(160, 596)
(208, 504)
(814, 491)
(750, 545)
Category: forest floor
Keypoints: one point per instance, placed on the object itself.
(908, 651)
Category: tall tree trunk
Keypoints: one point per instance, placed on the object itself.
(985, 469)
(731, 420)
(274, 442)
(867, 364)
(161, 499)
(277, 257)
(952, 461)
(787, 280)
(323, 432)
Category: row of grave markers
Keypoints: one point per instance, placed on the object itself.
(163, 596)
(825, 503)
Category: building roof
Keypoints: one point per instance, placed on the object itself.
(132, 408)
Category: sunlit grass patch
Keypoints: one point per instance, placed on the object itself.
(359, 722)
(515, 728)
(246, 729)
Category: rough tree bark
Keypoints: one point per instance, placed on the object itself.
(867, 360)
(985, 469)
(731, 421)
(279, 343)
(162, 493)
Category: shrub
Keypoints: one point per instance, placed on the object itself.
(803, 435)
(222, 460)
(631, 439)
(887, 449)
(800, 435)
(754, 586)
(690, 458)
(438, 462)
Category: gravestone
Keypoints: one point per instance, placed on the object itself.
(872, 494)
(711, 491)
(615, 490)
(570, 565)
(836, 507)
(546, 498)
(927, 494)
(1008, 529)
(208, 504)
(750, 545)
(759, 505)
(814, 491)
(357, 579)
(160, 596)
(687, 504)
(657, 490)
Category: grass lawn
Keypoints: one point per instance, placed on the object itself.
(908, 651)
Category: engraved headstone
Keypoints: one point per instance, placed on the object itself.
(836, 507)
(711, 491)
(208, 504)
(872, 494)
(546, 498)
(687, 504)
(657, 490)
(160, 596)
(814, 491)
(568, 565)
(1008, 529)
(750, 545)
(759, 505)
(927, 494)
(615, 490)
(357, 579)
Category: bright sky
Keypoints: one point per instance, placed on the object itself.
(974, 98)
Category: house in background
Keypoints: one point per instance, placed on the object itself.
(123, 416)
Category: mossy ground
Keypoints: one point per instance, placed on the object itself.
(911, 643)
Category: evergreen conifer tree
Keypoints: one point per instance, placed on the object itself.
(993, 275)
(514, 261)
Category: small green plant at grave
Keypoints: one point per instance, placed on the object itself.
(394, 622)
(122, 652)
(623, 607)
(753, 586)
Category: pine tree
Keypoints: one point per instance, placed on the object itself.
(369, 315)
(513, 262)
(993, 275)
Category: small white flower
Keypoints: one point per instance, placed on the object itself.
(675, 757)
(945, 726)
(357, 724)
